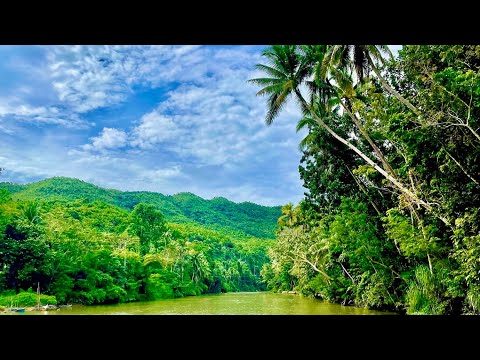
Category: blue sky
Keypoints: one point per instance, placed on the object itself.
(158, 118)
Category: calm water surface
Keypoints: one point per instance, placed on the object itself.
(255, 303)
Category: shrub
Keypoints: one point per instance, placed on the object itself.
(26, 299)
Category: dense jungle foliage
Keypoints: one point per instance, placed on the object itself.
(391, 164)
(84, 250)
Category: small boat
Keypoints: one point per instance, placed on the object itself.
(15, 308)
(19, 310)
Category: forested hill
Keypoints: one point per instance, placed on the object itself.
(251, 219)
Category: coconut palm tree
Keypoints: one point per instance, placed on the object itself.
(362, 59)
(30, 211)
(288, 217)
(200, 266)
(346, 92)
(288, 71)
(340, 92)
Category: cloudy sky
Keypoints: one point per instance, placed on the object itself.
(159, 118)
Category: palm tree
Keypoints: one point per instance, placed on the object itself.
(346, 91)
(200, 266)
(288, 218)
(363, 58)
(288, 70)
(30, 211)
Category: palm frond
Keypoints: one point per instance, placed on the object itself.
(276, 88)
(274, 108)
(303, 106)
(344, 55)
(376, 52)
(344, 82)
(287, 67)
(270, 70)
(386, 50)
(304, 122)
(333, 105)
(264, 81)
(312, 90)
(322, 70)
(305, 142)
(360, 62)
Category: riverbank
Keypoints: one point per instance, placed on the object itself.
(7, 310)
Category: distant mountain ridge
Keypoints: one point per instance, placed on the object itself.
(246, 217)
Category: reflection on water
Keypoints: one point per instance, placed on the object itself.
(259, 303)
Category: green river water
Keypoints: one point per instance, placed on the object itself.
(252, 303)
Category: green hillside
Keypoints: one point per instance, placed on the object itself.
(218, 213)
(89, 251)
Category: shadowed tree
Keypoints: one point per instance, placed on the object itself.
(149, 225)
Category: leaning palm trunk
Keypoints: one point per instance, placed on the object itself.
(391, 90)
(384, 161)
(369, 161)
(288, 73)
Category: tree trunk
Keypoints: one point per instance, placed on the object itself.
(391, 90)
(461, 167)
(429, 263)
(369, 161)
(362, 187)
(385, 163)
(350, 276)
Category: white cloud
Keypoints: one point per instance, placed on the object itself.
(21, 110)
(205, 135)
(161, 174)
(218, 119)
(15, 108)
(154, 129)
(5, 129)
(91, 77)
(109, 138)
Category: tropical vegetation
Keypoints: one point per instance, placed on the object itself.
(391, 167)
(70, 238)
(390, 218)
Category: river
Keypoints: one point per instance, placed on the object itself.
(251, 303)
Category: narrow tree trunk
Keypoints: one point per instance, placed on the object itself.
(462, 168)
(429, 263)
(472, 131)
(385, 163)
(391, 90)
(469, 107)
(369, 161)
(346, 272)
(362, 187)
(314, 267)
